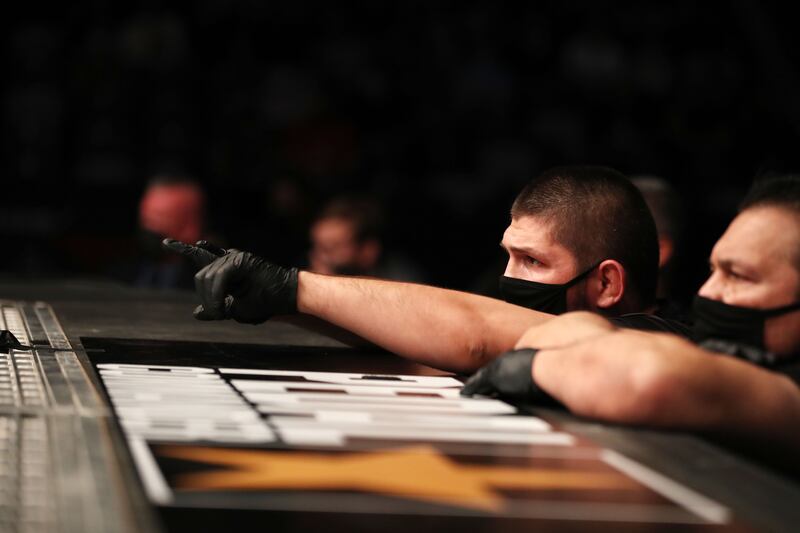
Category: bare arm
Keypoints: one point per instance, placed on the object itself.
(664, 381)
(443, 328)
(565, 330)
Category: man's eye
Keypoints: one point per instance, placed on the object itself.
(736, 276)
(531, 261)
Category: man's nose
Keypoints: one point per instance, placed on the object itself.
(712, 288)
(510, 267)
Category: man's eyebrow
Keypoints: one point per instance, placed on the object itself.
(735, 265)
(517, 249)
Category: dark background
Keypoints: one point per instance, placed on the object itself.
(442, 109)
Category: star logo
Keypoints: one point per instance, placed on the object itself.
(416, 472)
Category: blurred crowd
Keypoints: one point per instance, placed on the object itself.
(375, 138)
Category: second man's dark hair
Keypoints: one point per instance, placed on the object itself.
(781, 191)
(774, 190)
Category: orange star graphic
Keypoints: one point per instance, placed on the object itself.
(418, 472)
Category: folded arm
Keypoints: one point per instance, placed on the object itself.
(664, 381)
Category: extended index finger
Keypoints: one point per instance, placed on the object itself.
(197, 255)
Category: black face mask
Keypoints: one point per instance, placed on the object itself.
(545, 297)
(745, 325)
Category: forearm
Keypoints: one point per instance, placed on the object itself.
(594, 381)
(442, 328)
(728, 396)
(662, 381)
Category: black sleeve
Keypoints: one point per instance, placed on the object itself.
(790, 366)
(792, 370)
(645, 322)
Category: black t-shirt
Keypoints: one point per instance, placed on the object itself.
(758, 356)
(647, 322)
(791, 368)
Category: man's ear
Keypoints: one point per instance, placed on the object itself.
(610, 283)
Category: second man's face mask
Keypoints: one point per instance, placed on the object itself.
(745, 325)
(545, 297)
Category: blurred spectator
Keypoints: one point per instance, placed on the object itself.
(347, 238)
(441, 108)
(667, 209)
(287, 209)
(174, 207)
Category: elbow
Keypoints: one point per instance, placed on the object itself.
(463, 357)
(653, 390)
(477, 356)
(477, 347)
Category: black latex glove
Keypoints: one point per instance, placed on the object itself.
(509, 376)
(201, 254)
(238, 285)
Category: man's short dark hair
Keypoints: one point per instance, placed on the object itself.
(781, 191)
(775, 191)
(363, 212)
(597, 214)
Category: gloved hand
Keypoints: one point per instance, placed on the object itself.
(509, 376)
(238, 285)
